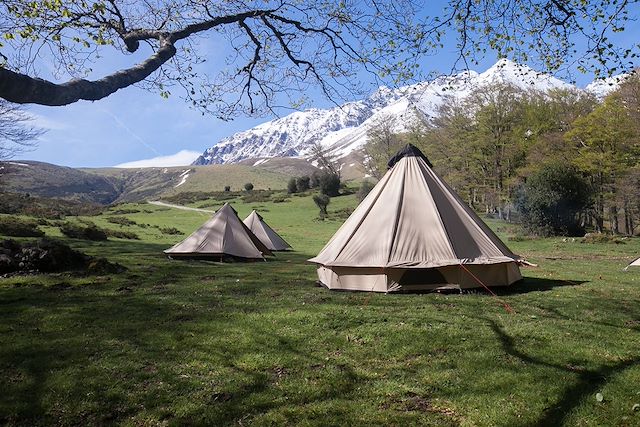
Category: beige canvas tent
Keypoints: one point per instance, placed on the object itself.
(413, 232)
(224, 235)
(634, 263)
(266, 234)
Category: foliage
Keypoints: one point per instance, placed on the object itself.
(298, 184)
(553, 200)
(47, 255)
(23, 204)
(303, 183)
(382, 143)
(599, 238)
(329, 184)
(322, 201)
(364, 190)
(86, 232)
(274, 50)
(314, 179)
(170, 231)
(16, 227)
(292, 186)
(121, 220)
(121, 234)
(607, 142)
(248, 186)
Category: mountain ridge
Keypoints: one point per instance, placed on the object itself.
(342, 129)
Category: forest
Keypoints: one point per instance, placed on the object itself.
(560, 162)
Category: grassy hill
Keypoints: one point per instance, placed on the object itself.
(47, 180)
(109, 185)
(202, 343)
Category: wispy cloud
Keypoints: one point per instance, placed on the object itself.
(181, 158)
(47, 123)
(130, 132)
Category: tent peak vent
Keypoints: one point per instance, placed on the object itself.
(408, 150)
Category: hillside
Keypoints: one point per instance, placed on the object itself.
(47, 180)
(112, 185)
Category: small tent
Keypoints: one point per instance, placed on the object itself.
(224, 235)
(634, 263)
(413, 232)
(266, 234)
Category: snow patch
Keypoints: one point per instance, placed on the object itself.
(260, 162)
(184, 179)
(17, 164)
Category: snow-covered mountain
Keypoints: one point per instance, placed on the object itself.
(344, 129)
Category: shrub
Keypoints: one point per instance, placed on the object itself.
(258, 196)
(170, 230)
(48, 255)
(601, 238)
(248, 186)
(552, 199)
(124, 211)
(365, 189)
(292, 186)
(314, 180)
(120, 234)
(121, 220)
(16, 227)
(322, 201)
(280, 200)
(330, 184)
(303, 183)
(86, 232)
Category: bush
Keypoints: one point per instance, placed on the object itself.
(292, 186)
(248, 186)
(48, 255)
(314, 180)
(120, 234)
(121, 220)
(23, 204)
(330, 184)
(322, 201)
(601, 238)
(552, 199)
(86, 232)
(365, 189)
(303, 183)
(170, 230)
(124, 211)
(280, 200)
(16, 227)
(257, 196)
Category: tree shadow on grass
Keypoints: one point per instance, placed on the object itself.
(586, 385)
(536, 284)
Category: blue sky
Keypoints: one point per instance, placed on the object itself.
(134, 124)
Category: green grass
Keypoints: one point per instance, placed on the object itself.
(202, 343)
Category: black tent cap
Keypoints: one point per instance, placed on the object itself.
(408, 150)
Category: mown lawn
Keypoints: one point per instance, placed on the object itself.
(201, 343)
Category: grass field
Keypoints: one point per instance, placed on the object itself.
(202, 343)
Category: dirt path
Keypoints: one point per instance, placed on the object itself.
(184, 208)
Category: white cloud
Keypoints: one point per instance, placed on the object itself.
(181, 158)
